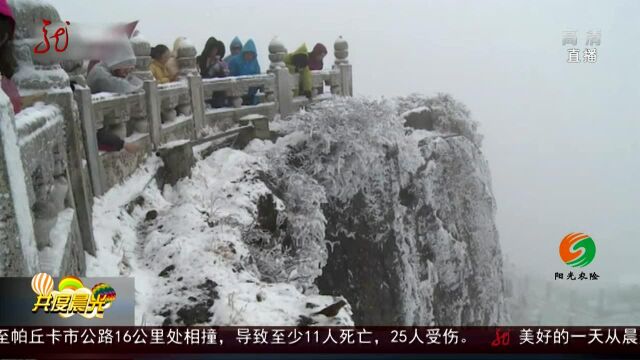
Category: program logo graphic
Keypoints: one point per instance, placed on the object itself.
(577, 249)
(72, 297)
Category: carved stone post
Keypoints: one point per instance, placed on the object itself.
(284, 91)
(341, 51)
(197, 103)
(83, 99)
(153, 111)
(142, 50)
(186, 58)
(277, 52)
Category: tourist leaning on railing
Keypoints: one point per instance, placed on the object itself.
(160, 54)
(298, 63)
(212, 66)
(113, 75)
(234, 48)
(246, 63)
(316, 56)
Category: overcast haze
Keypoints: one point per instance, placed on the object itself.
(562, 139)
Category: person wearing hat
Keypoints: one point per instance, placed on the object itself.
(298, 63)
(113, 73)
(246, 63)
(235, 48)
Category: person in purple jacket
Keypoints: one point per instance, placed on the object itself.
(316, 56)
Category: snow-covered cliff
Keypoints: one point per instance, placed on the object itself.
(348, 202)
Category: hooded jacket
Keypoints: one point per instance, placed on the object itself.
(213, 69)
(100, 78)
(313, 63)
(238, 66)
(306, 81)
(235, 43)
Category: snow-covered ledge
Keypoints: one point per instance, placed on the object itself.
(17, 238)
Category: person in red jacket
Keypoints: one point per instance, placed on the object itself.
(7, 58)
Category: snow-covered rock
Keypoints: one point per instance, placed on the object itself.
(348, 203)
(410, 213)
(200, 258)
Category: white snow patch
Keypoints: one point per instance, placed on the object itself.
(197, 239)
(51, 256)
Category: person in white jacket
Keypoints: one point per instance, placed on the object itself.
(112, 74)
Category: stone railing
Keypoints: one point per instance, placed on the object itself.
(174, 111)
(50, 165)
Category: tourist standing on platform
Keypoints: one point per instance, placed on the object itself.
(298, 63)
(235, 48)
(246, 63)
(160, 55)
(316, 56)
(212, 66)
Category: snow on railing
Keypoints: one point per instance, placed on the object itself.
(57, 145)
(181, 110)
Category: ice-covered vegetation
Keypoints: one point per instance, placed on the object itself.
(349, 201)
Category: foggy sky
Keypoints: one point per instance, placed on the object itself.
(562, 140)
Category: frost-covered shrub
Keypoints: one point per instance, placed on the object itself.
(347, 142)
(299, 251)
(451, 115)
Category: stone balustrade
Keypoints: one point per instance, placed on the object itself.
(57, 146)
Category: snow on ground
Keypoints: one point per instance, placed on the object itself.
(190, 262)
(51, 256)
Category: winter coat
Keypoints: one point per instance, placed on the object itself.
(209, 68)
(160, 72)
(100, 79)
(313, 63)
(108, 141)
(238, 66)
(215, 69)
(235, 43)
(306, 81)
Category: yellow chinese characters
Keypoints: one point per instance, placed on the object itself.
(72, 298)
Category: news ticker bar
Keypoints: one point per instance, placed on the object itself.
(34, 341)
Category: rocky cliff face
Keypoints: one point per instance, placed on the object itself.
(409, 212)
(386, 204)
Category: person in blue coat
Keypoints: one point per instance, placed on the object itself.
(246, 63)
(235, 48)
